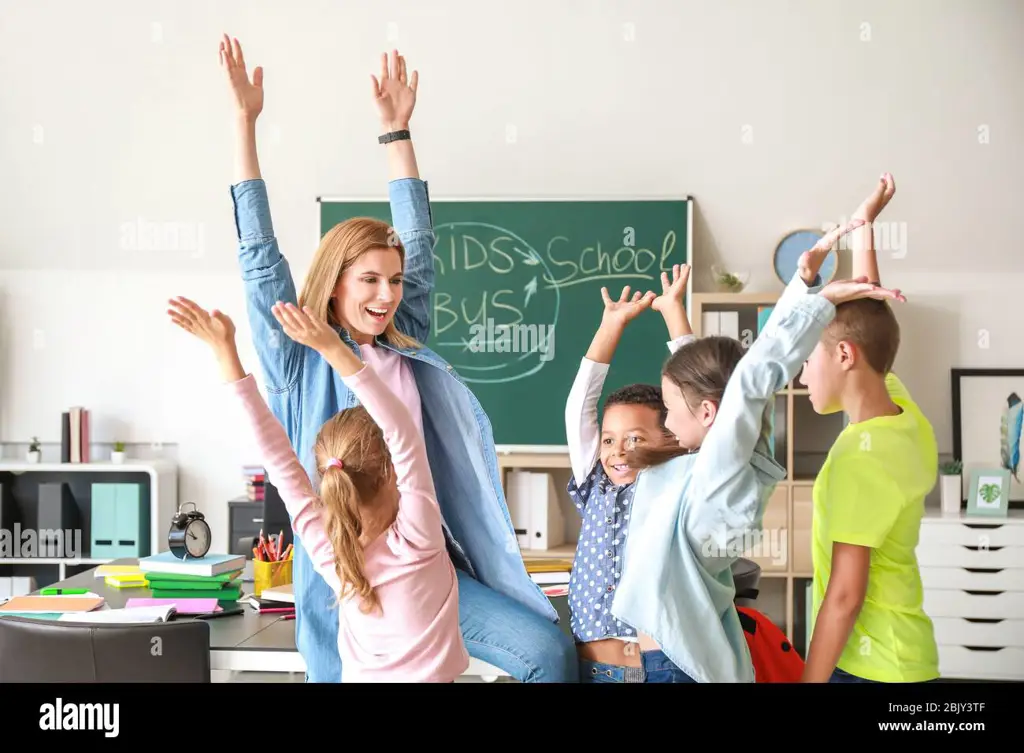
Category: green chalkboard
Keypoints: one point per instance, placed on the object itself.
(517, 297)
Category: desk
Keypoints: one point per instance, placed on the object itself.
(249, 642)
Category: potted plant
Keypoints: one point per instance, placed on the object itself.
(34, 452)
(727, 281)
(951, 487)
(117, 456)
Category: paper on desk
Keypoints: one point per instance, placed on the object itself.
(119, 616)
(183, 606)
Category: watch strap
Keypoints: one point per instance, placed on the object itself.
(387, 138)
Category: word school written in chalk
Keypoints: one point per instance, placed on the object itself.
(89, 717)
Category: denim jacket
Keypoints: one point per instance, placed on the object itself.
(303, 391)
(693, 516)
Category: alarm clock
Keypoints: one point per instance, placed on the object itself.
(189, 537)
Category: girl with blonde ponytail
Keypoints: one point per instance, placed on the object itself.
(374, 532)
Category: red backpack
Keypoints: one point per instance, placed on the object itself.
(775, 659)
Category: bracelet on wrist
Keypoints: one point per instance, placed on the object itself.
(387, 138)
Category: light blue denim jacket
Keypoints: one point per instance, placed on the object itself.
(304, 391)
(692, 516)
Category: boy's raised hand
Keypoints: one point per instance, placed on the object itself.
(841, 291)
(621, 312)
(248, 94)
(873, 205)
(302, 327)
(395, 92)
(811, 260)
(214, 328)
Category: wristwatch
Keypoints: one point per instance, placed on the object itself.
(387, 138)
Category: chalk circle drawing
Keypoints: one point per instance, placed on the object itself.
(493, 318)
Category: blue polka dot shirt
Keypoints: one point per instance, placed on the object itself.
(604, 508)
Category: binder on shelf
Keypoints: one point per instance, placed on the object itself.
(535, 510)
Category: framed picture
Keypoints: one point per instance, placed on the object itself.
(990, 492)
(988, 419)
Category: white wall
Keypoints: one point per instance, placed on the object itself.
(773, 115)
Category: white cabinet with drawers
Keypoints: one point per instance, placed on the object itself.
(972, 570)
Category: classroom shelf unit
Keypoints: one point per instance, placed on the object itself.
(57, 519)
(802, 440)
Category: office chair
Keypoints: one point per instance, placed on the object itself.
(37, 650)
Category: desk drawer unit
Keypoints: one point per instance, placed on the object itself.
(972, 570)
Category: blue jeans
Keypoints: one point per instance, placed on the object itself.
(496, 629)
(658, 668)
(655, 668)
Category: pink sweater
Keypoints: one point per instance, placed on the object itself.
(418, 637)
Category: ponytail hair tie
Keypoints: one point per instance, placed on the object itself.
(335, 462)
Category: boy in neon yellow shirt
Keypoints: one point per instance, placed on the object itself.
(869, 624)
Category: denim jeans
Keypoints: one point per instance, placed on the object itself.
(598, 672)
(658, 668)
(496, 629)
(655, 668)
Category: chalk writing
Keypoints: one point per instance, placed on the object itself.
(594, 263)
(485, 324)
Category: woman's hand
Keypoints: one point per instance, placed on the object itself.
(248, 94)
(395, 92)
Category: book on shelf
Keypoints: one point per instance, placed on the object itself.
(75, 443)
(255, 479)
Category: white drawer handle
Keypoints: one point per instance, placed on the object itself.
(257, 520)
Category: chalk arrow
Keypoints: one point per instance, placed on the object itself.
(531, 288)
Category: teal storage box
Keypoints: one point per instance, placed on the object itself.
(120, 522)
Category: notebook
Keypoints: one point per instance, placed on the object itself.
(284, 593)
(160, 613)
(211, 564)
(181, 606)
(43, 604)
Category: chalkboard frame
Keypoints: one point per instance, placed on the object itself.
(685, 199)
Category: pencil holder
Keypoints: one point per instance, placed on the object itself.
(270, 574)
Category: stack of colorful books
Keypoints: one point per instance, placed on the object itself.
(215, 576)
(255, 479)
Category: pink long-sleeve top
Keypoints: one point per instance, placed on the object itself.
(417, 638)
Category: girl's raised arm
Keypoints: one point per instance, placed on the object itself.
(265, 272)
(419, 516)
(395, 95)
